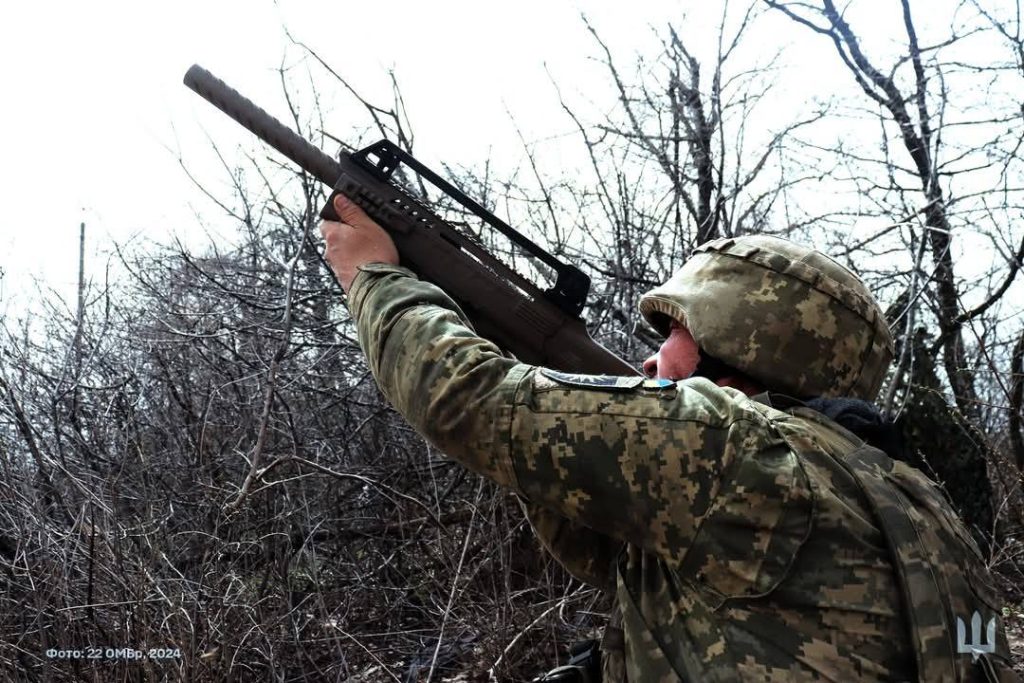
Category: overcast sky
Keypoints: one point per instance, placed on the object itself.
(95, 113)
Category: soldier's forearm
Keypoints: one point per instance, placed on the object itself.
(453, 387)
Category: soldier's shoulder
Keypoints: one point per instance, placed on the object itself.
(695, 399)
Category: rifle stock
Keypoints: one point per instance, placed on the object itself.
(539, 327)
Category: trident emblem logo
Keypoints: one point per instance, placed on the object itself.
(975, 646)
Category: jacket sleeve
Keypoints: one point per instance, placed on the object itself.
(642, 465)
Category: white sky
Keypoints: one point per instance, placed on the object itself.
(94, 103)
(94, 110)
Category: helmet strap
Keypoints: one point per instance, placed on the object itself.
(713, 368)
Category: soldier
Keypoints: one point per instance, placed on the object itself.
(747, 535)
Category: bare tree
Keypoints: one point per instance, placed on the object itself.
(946, 168)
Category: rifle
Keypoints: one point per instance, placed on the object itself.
(539, 327)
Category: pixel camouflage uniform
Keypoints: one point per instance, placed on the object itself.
(750, 540)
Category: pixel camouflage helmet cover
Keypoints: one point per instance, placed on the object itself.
(787, 315)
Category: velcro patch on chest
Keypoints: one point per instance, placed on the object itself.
(605, 382)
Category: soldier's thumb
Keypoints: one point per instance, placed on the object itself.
(350, 213)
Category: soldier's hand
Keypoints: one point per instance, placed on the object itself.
(355, 241)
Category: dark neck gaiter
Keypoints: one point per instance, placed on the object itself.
(864, 420)
(860, 417)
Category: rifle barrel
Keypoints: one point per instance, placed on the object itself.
(266, 127)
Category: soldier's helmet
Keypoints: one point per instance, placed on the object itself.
(787, 315)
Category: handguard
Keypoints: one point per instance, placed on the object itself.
(383, 158)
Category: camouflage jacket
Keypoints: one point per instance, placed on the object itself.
(748, 550)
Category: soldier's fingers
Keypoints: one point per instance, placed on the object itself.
(352, 214)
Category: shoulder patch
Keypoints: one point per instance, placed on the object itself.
(606, 382)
